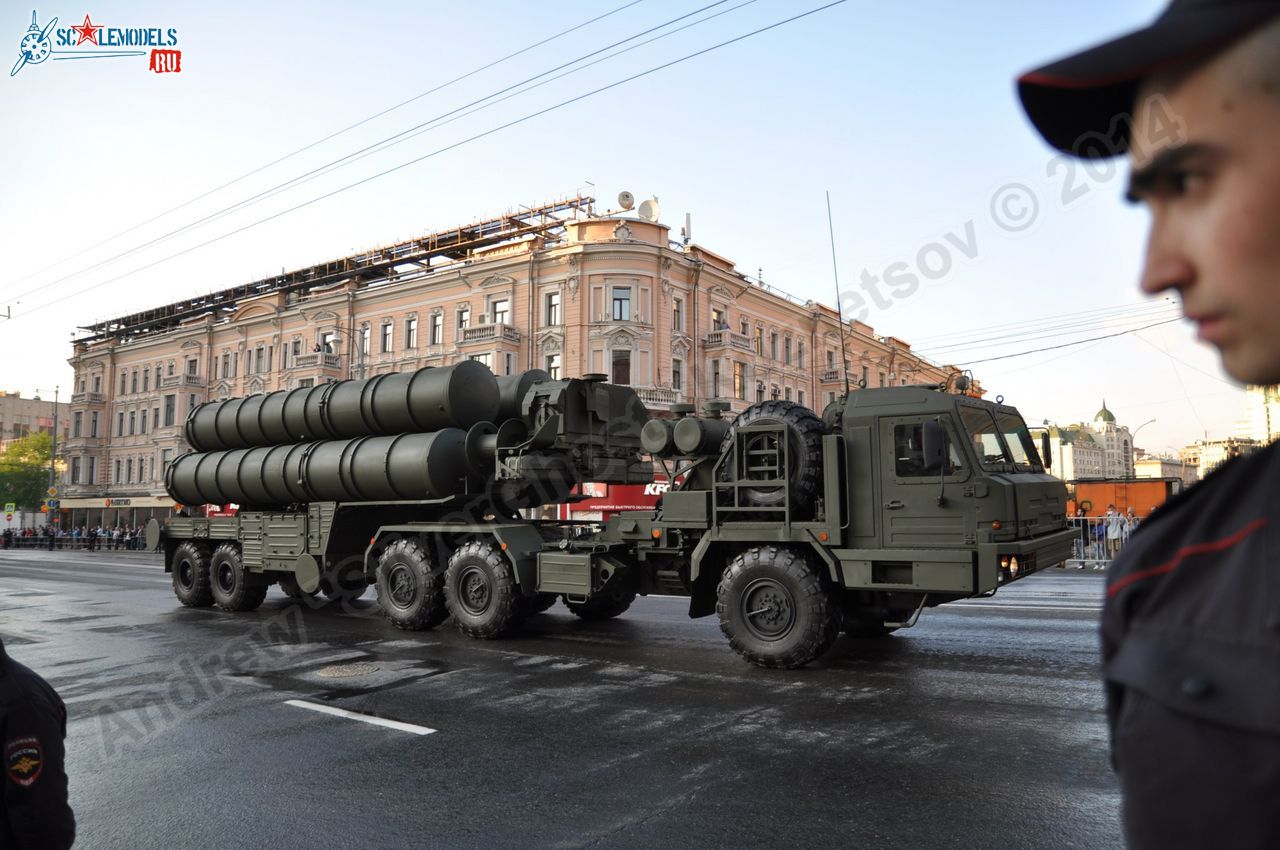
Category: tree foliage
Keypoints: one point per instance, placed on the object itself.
(24, 471)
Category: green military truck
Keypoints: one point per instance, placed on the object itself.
(788, 526)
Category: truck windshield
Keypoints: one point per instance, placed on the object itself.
(985, 436)
(1018, 439)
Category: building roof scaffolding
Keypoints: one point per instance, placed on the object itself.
(375, 265)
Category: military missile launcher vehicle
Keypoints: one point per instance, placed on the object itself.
(789, 526)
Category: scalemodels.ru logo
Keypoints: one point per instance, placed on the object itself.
(43, 42)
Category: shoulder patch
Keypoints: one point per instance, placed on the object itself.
(23, 761)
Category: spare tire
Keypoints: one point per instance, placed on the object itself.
(804, 432)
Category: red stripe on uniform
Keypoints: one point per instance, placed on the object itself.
(1187, 552)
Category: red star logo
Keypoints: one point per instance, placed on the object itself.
(88, 31)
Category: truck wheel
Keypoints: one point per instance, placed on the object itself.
(775, 608)
(541, 602)
(191, 575)
(481, 592)
(603, 606)
(410, 593)
(804, 453)
(235, 588)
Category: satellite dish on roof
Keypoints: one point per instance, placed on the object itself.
(626, 200)
(649, 210)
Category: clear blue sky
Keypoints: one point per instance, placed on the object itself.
(905, 112)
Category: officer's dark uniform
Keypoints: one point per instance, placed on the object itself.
(1191, 657)
(33, 724)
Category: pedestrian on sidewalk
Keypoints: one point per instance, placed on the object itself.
(1189, 625)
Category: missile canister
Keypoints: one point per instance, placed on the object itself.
(512, 390)
(427, 400)
(657, 437)
(364, 469)
(700, 436)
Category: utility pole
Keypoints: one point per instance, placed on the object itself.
(53, 450)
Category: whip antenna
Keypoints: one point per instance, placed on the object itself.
(835, 274)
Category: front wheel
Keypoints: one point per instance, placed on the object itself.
(481, 592)
(776, 609)
(410, 592)
(235, 588)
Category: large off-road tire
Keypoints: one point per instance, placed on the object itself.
(604, 605)
(235, 588)
(191, 582)
(345, 580)
(540, 602)
(481, 592)
(776, 608)
(410, 592)
(804, 453)
(289, 586)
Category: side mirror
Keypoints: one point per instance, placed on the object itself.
(937, 445)
(1046, 451)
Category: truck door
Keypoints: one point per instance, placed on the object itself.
(911, 515)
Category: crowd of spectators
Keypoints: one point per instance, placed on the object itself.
(79, 537)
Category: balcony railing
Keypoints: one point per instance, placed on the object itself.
(88, 398)
(318, 358)
(831, 376)
(484, 333)
(181, 380)
(657, 396)
(728, 339)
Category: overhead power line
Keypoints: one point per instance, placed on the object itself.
(397, 138)
(1069, 344)
(1052, 333)
(453, 146)
(332, 135)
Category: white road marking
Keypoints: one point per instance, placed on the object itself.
(364, 718)
(998, 606)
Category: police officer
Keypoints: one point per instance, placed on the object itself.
(33, 724)
(1191, 621)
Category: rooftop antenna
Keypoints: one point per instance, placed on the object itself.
(835, 274)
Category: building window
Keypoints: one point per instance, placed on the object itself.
(486, 359)
(307, 382)
(677, 314)
(883, 382)
(739, 380)
(831, 359)
(622, 366)
(258, 363)
(142, 422)
(329, 342)
(437, 329)
(552, 308)
(92, 473)
(786, 351)
(464, 318)
(677, 374)
(295, 351)
(75, 470)
(120, 424)
(97, 383)
(501, 311)
(786, 394)
(133, 381)
(715, 379)
(76, 422)
(133, 422)
(123, 378)
(146, 380)
(773, 392)
(866, 376)
(118, 467)
(717, 319)
(553, 366)
(622, 304)
(384, 339)
(193, 366)
(155, 419)
(508, 363)
(170, 409)
(760, 341)
(773, 345)
(226, 365)
(759, 391)
(800, 396)
(800, 355)
(166, 458)
(128, 471)
(411, 332)
(364, 340)
(746, 328)
(93, 424)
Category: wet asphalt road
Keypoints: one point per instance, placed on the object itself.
(980, 727)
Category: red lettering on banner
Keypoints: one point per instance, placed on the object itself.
(166, 61)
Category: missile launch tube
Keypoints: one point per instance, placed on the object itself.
(512, 390)
(427, 400)
(363, 469)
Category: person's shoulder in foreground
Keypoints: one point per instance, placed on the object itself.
(34, 812)
(1191, 623)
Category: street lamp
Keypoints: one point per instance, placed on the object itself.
(1133, 445)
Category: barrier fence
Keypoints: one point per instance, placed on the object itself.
(71, 542)
(1094, 548)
